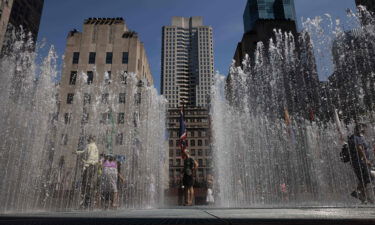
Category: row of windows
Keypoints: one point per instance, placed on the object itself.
(104, 100)
(108, 58)
(192, 143)
(106, 118)
(200, 162)
(189, 112)
(178, 173)
(90, 77)
(193, 152)
(119, 139)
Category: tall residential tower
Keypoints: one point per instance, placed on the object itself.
(187, 62)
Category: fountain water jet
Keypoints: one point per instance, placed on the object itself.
(31, 150)
(274, 138)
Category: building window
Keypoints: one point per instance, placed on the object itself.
(119, 138)
(90, 77)
(92, 57)
(105, 118)
(199, 142)
(170, 153)
(200, 162)
(73, 78)
(64, 139)
(200, 152)
(123, 77)
(171, 162)
(193, 152)
(206, 142)
(200, 172)
(75, 57)
(85, 117)
(108, 77)
(105, 98)
(122, 98)
(81, 143)
(70, 98)
(67, 118)
(170, 143)
(208, 163)
(125, 57)
(192, 142)
(108, 58)
(121, 118)
(86, 99)
(178, 162)
(178, 152)
(138, 98)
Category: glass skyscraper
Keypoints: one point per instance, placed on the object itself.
(267, 9)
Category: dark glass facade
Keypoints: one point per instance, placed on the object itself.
(267, 9)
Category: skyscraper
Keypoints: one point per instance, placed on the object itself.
(186, 79)
(187, 62)
(16, 13)
(267, 9)
(261, 18)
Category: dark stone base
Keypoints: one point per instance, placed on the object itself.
(331, 216)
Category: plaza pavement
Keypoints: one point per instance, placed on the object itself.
(197, 215)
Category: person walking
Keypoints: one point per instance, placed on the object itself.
(190, 165)
(359, 159)
(89, 175)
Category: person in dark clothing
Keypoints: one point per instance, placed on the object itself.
(359, 158)
(190, 165)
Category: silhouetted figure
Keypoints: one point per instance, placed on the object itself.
(359, 159)
(190, 165)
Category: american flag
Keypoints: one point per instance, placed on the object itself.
(182, 132)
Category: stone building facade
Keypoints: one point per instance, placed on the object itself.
(102, 86)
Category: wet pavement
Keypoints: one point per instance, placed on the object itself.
(342, 216)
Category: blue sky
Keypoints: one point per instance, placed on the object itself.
(148, 16)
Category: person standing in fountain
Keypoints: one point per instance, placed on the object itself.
(90, 173)
(190, 165)
(109, 182)
(359, 154)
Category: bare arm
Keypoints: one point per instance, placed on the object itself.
(361, 152)
(195, 165)
(121, 177)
